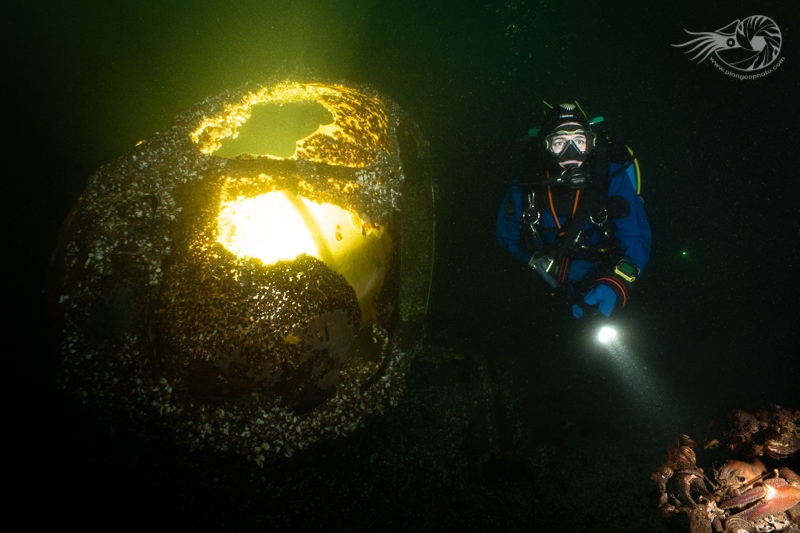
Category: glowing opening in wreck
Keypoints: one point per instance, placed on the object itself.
(274, 129)
(281, 226)
(606, 334)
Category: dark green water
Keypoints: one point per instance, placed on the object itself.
(534, 429)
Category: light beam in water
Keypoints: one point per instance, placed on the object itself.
(646, 390)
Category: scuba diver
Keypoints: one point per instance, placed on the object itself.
(575, 216)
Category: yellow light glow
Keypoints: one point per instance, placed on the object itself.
(274, 129)
(280, 226)
(267, 227)
(356, 137)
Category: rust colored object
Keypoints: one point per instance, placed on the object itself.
(746, 494)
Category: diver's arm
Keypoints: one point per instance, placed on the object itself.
(612, 289)
(509, 231)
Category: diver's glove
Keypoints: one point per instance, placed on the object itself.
(600, 295)
(610, 291)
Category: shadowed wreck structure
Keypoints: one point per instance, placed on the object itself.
(233, 290)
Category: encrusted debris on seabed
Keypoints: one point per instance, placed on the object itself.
(753, 490)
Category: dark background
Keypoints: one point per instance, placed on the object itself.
(513, 418)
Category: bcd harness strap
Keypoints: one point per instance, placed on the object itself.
(589, 205)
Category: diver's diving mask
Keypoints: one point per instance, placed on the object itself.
(570, 142)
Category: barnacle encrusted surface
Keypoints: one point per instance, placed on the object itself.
(161, 327)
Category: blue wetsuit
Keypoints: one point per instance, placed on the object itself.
(630, 236)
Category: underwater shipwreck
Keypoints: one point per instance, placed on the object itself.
(230, 287)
